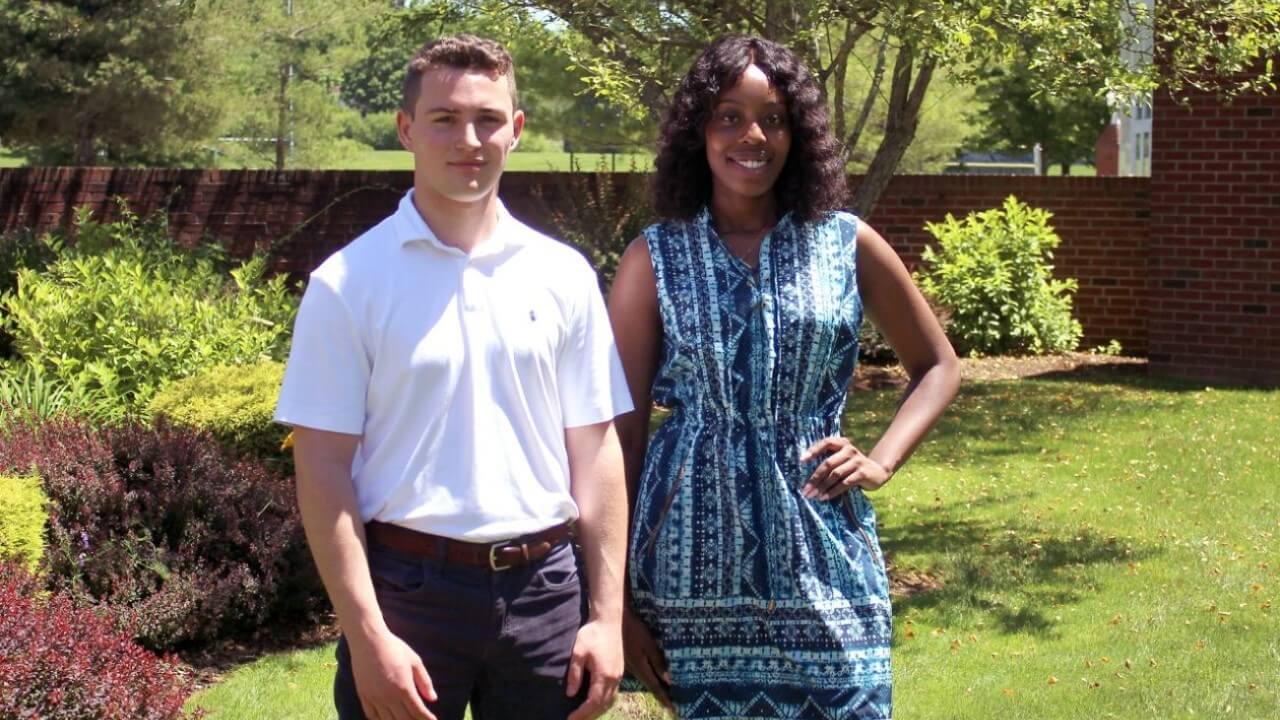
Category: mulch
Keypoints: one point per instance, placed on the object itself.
(210, 664)
(1075, 364)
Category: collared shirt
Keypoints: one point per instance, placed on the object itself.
(459, 371)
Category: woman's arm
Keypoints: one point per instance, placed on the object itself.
(637, 329)
(903, 317)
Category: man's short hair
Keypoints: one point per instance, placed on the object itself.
(460, 52)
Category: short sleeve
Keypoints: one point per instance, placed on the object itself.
(327, 378)
(592, 385)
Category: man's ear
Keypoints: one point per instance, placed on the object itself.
(517, 127)
(403, 121)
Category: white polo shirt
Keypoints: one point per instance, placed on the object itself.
(459, 372)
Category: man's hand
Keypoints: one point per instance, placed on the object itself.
(598, 651)
(645, 659)
(390, 679)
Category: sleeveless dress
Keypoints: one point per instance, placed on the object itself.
(765, 603)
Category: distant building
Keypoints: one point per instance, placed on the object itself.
(1132, 116)
(1106, 152)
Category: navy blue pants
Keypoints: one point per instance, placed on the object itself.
(500, 641)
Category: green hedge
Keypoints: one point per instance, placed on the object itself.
(124, 310)
(233, 402)
(22, 518)
(992, 271)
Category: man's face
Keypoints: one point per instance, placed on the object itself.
(462, 128)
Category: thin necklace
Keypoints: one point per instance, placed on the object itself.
(748, 253)
(755, 238)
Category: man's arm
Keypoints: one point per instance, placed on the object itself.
(597, 486)
(390, 677)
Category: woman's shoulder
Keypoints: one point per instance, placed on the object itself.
(668, 226)
(840, 225)
(667, 233)
(843, 218)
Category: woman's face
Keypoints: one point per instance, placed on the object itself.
(747, 137)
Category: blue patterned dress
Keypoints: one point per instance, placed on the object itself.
(766, 604)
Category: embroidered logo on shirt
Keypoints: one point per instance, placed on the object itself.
(532, 317)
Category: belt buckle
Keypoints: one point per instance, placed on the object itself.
(493, 557)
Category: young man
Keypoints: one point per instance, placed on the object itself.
(452, 386)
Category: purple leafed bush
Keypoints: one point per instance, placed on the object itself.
(185, 541)
(59, 661)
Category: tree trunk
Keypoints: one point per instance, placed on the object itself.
(282, 117)
(84, 154)
(877, 77)
(837, 71)
(782, 21)
(903, 118)
(1066, 168)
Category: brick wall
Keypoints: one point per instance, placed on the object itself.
(303, 216)
(1103, 224)
(1214, 268)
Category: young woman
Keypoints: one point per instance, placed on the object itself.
(757, 586)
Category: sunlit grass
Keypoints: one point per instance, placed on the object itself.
(299, 686)
(10, 159)
(288, 686)
(519, 161)
(1107, 549)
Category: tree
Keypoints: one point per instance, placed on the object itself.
(637, 50)
(372, 84)
(1017, 116)
(286, 59)
(943, 129)
(106, 81)
(552, 91)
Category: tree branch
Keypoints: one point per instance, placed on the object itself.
(905, 99)
(877, 77)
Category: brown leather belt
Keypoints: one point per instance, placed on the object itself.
(500, 555)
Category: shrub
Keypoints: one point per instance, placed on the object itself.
(376, 130)
(184, 541)
(235, 403)
(992, 272)
(600, 214)
(63, 662)
(27, 394)
(873, 349)
(21, 249)
(124, 310)
(22, 518)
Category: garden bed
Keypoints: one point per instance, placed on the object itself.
(876, 377)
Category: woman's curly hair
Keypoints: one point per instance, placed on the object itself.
(812, 182)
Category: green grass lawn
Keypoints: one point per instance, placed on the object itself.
(1105, 548)
(519, 161)
(1077, 170)
(9, 159)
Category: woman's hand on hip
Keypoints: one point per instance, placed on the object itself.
(844, 467)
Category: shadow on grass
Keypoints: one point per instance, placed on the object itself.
(1127, 375)
(211, 662)
(1012, 577)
